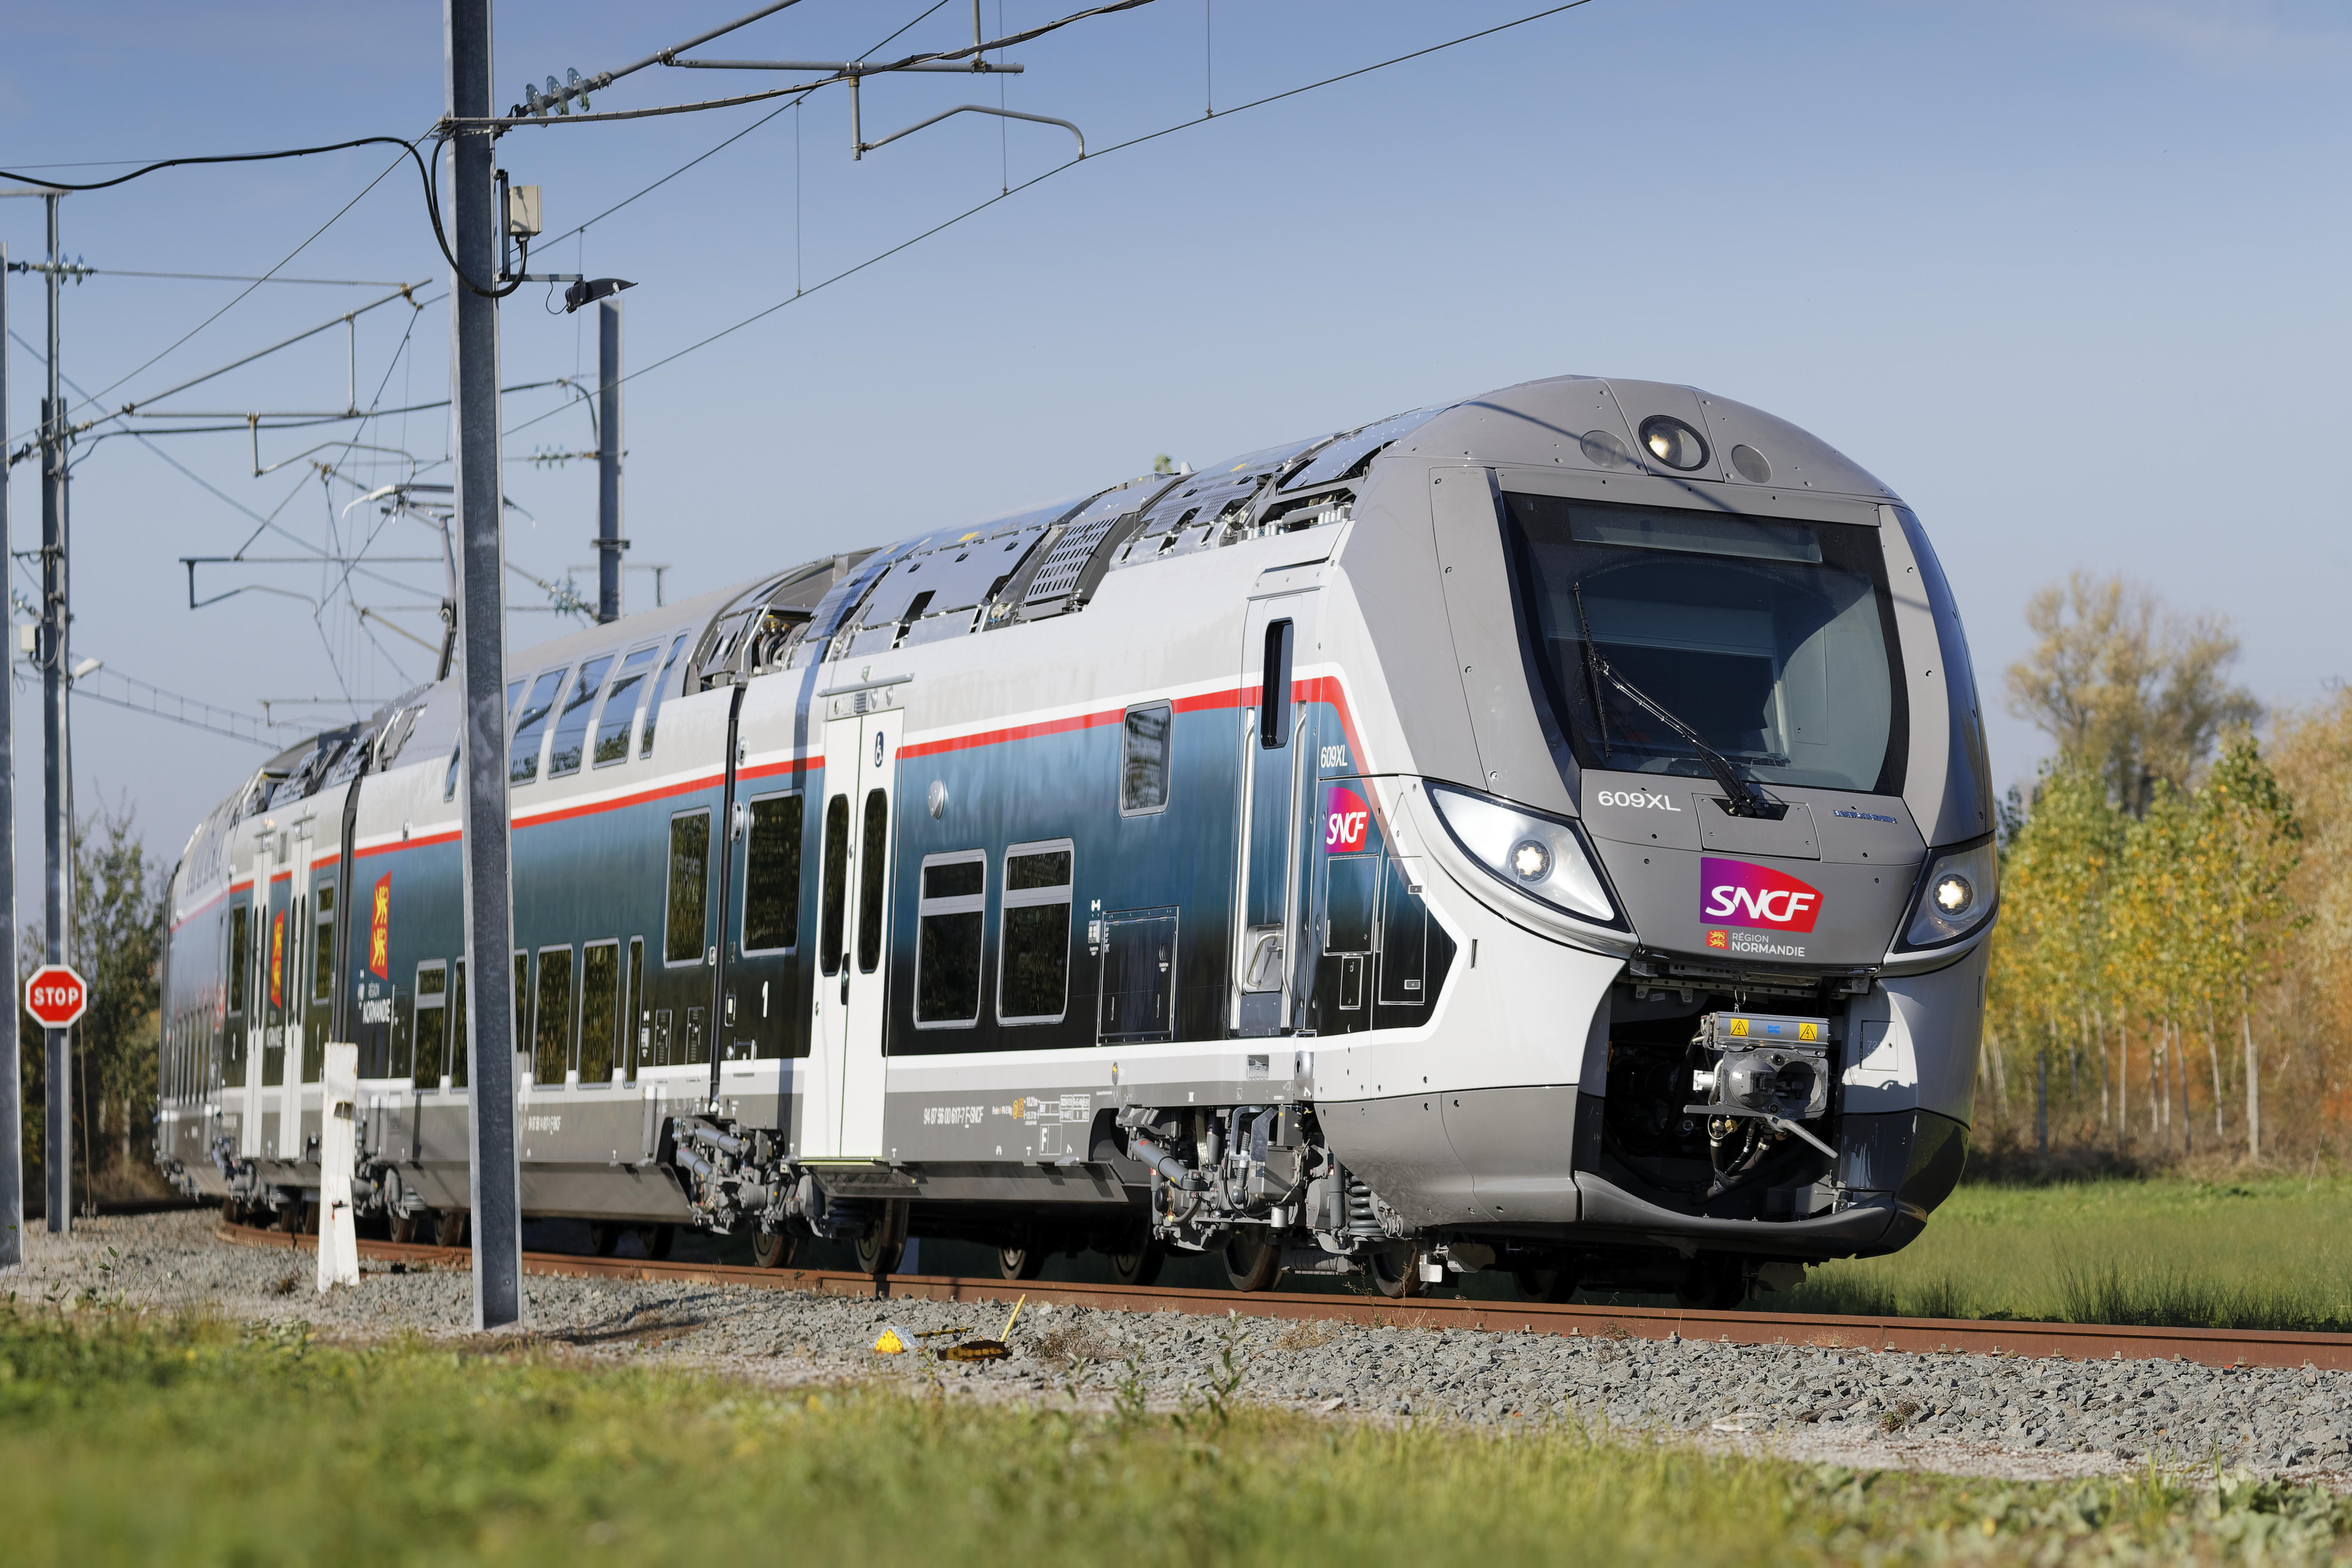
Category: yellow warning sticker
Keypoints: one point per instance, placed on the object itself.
(1739, 1026)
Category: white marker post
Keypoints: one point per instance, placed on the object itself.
(339, 1237)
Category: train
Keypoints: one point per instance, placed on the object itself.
(1550, 832)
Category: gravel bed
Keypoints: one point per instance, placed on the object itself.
(1946, 1411)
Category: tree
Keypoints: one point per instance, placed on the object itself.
(117, 917)
(2244, 846)
(2127, 685)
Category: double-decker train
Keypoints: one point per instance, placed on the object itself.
(1548, 832)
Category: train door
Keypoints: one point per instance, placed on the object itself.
(239, 1079)
(1277, 770)
(843, 1119)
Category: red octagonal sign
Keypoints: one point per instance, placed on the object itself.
(56, 995)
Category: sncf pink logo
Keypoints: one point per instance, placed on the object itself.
(1345, 819)
(1737, 893)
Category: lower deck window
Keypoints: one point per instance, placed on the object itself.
(1033, 977)
(948, 923)
(600, 1003)
(552, 1047)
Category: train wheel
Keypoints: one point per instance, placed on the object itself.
(404, 1226)
(1714, 1285)
(449, 1228)
(885, 1241)
(1253, 1262)
(773, 1248)
(1024, 1258)
(1396, 1270)
(1136, 1263)
(603, 1238)
(1544, 1284)
(656, 1240)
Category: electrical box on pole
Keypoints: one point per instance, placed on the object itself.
(494, 1175)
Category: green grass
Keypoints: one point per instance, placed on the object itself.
(2257, 1253)
(197, 1442)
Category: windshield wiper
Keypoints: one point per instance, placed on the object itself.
(1744, 798)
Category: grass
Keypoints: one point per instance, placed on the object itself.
(196, 1441)
(2251, 1253)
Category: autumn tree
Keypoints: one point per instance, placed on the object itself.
(2127, 686)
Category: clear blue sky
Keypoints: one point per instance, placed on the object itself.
(2069, 274)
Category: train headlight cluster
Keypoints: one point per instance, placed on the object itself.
(1541, 856)
(1956, 897)
(1673, 443)
(1531, 861)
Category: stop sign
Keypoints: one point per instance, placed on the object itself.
(56, 995)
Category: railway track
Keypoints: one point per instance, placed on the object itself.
(2076, 1341)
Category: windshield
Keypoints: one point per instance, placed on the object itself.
(1770, 640)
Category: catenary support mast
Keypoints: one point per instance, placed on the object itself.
(609, 542)
(495, 1177)
(12, 1077)
(57, 1146)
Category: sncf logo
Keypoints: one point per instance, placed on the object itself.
(1345, 819)
(1735, 893)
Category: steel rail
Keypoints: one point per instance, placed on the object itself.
(2071, 1341)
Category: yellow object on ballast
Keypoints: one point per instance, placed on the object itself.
(895, 1340)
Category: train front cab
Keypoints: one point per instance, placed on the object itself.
(1612, 623)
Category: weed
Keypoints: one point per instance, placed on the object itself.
(1130, 1399)
(1305, 1335)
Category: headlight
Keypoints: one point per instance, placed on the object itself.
(1956, 897)
(1541, 856)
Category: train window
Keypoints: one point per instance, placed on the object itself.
(522, 756)
(870, 880)
(570, 744)
(686, 920)
(1274, 688)
(1033, 971)
(551, 1047)
(835, 893)
(1351, 883)
(461, 1026)
(771, 875)
(661, 689)
(619, 713)
(953, 908)
(322, 948)
(240, 959)
(449, 780)
(1143, 761)
(1771, 642)
(522, 1001)
(600, 1003)
(639, 1037)
(432, 1024)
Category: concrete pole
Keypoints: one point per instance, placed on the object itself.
(12, 1076)
(57, 1150)
(609, 542)
(494, 1175)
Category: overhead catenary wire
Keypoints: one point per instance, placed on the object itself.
(979, 208)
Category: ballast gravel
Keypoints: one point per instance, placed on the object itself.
(1958, 1413)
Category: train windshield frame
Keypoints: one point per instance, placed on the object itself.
(1773, 640)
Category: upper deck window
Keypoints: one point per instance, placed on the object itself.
(1773, 641)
